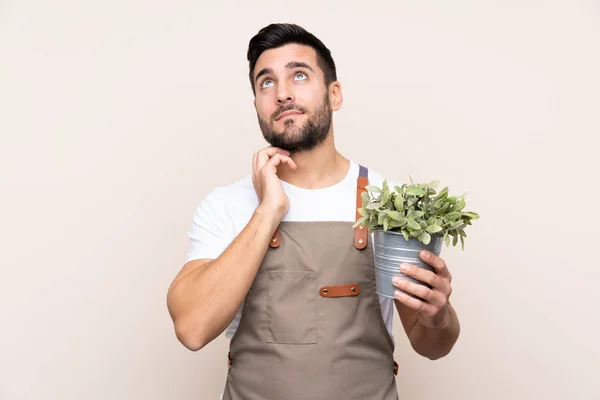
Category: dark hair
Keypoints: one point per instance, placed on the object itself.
(277, 35)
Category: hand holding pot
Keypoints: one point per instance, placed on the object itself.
(432, 303)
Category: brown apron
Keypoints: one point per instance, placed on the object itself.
(311, 326)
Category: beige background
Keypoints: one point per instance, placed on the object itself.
(117, 116)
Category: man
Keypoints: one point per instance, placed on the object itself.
(274, 259)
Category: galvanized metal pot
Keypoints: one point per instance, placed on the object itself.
(391, 250)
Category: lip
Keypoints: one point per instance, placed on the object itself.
(288, 113)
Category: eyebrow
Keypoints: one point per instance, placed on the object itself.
(290, 65)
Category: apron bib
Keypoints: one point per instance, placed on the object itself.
(311, 326)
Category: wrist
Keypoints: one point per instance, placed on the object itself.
(270, 215)
(440, 321)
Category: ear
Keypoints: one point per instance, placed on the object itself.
(335, 96)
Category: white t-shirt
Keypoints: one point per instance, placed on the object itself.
(224, 212)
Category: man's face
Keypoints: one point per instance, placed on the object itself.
(292, 102)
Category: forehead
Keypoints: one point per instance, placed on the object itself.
(276, 59)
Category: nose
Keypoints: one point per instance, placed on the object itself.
(284, 95)
(284, 99)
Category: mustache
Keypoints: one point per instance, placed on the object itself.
(288, 107)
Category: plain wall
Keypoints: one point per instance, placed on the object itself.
(116, 117)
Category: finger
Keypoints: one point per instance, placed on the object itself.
(291, 163)
(424, 275)
(421, 291)
(430, 298)
(278, 159)
(265, 154)
(436, 262)
(414, 303)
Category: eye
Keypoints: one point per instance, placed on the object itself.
(302, 76)
(264, 84)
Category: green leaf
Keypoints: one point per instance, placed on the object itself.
(445, 207)
(462, 233)
(373, 189)
(359, 222)
(433, 184)
(365, 197)
(386, 224)
(442, 194)
(396, 224)
(462, 242)
(415, 214)
(405, 234)
(470, 215)
(415, 191)
(363, 212)
(459, 206)
(380, 218)
(413, 224)
(372, 206)
(457, 225)
(455, 240)
(447, 239)
(425, 237)
(434, 228)
(396, 216)
(453, 216)
(399, 203)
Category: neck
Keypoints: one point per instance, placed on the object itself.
(319, 168)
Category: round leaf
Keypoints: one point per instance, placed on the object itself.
(434, 228)
(425, 237)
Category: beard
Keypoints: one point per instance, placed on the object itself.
(298, 137)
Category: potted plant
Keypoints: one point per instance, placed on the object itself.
(405, 220)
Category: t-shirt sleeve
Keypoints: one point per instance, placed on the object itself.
(212, 229)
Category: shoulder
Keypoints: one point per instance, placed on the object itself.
(241, 190)
(230, 202)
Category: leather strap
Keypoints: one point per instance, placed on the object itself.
(361, 232)
(275, 240)
(340, 290)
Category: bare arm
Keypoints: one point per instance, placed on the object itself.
(206, 294)
(431, 342)
(430, 321)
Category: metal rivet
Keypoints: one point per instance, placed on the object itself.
(361, 227)
(274, 239)
(360, 241)
(353, 289)
(325, 291)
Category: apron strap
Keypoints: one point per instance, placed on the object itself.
(361, 232)
(275, 240)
